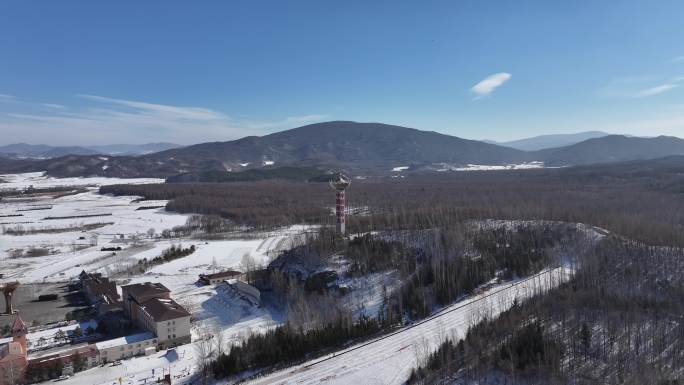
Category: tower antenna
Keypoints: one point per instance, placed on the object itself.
(339, 182)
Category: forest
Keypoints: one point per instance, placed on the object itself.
(619, 321)
(434, 269)
(640, 200)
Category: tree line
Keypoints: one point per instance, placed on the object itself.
(618, 321)
(639, 200)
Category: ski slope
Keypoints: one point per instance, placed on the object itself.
(389, 359)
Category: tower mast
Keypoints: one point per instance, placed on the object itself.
(339, 182)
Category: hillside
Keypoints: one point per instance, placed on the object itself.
(347, 144)
(612, 148)
(41, 151)
(551, 141)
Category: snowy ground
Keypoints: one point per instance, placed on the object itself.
(43, 339)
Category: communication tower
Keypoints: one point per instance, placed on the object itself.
(339, 182)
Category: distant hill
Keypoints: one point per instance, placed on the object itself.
(345, 144)
(298, 174)
(551, 141)
(133, 149)
(42, 151)
(612, 148)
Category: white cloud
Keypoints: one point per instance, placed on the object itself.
(6, 97)
(657, 90)
(54, 106)
(193, 113)
(487, 85)
(106, 120)
(640, 86)
(677, 59)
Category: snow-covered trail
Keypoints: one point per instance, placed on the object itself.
(389, 359)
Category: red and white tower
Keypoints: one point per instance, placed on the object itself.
(339, 183)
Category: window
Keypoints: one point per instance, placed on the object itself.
(174, 336)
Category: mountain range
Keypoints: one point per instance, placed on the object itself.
(43, 151)
(362, 148)
(550, 141)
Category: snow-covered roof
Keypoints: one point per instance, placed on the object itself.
(123, 341)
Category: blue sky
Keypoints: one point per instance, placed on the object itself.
(85, 72)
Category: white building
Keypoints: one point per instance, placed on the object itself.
(126, 347)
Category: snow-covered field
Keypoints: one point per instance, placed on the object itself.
(485, 167)
(40, 180)
(124, 223)
(70, 251)
(389, 359)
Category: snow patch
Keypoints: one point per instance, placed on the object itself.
(487, 167)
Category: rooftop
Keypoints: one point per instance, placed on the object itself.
(222, 274)
(145, 289)
(101, 286)
(122, 341)
(164, 309)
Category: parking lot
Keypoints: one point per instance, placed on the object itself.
(32, 311)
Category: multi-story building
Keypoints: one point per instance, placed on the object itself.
(150, 306)
(100, 292)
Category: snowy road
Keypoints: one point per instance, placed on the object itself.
(389, 359)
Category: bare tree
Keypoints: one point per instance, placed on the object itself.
(220, 343)
(204, 354)
(248, 265)
(421, 351)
